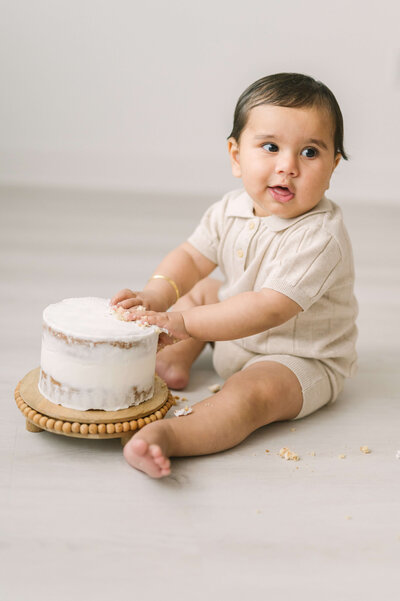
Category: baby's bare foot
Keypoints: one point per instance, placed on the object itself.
(175, 375)
(146, 457)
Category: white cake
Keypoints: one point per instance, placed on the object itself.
(92, 360)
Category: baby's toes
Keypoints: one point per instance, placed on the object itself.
(156, 454)
(163, 463)
(158, 457)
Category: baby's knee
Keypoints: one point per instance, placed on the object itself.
(262, 395)
(250, 397)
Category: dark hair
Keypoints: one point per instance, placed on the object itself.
(291, 90)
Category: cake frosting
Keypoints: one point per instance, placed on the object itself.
(92, 360)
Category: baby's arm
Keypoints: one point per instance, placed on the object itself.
(185, 265)
(242, 315)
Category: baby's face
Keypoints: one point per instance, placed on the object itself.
(285, 158)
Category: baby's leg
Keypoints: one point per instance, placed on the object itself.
(262, 393)
(174, 362)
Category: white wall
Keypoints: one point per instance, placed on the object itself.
(133, 95)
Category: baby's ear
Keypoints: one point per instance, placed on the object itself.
(336, 161)
(233, 149)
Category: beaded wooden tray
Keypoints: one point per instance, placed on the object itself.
(41, 414)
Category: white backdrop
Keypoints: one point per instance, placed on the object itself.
(140, 96)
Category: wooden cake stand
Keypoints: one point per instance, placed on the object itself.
(41, 414)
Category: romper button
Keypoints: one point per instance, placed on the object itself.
(251, 225)
(240, 253)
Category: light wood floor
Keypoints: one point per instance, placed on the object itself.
(77, 522)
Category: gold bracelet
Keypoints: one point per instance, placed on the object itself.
(173, 284)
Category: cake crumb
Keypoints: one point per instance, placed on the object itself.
(313, 453)
(214, 388)
(348, 517)
(342, 456)
(293, 429)
(267, 450)
(185, 411)
(123, 314)
(285, 453)
(365, 450)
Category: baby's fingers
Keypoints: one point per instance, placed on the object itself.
(142, 316)
(131, 303)
(121, 296)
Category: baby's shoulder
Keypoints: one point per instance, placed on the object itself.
(326, 222)
(321, 234)
(235, 203)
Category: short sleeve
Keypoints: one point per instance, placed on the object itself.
(206, 237)
(305, 267)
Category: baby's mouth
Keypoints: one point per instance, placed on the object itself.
(281, 193)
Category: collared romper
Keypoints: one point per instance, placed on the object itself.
(309, 259)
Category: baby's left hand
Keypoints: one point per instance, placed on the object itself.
(172, 321)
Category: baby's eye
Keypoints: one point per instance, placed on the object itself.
(269, 147)
(310, 153)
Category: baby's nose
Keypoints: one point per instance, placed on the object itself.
(287, 163)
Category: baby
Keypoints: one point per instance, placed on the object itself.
(283, 319)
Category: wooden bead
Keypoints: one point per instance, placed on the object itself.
(118, 427)
(26, 410)
(125, 427)
(43, 421)
(23, 406)
(141, 423)
(93, 429)
(50, 423)
(153, 418)
(84, 429)
(101, 428)
(110, 428)
(36, 418)
(133, 425)
(31, 414)
(75, 428)
(58, 426)
(66, 427)
(147, 420)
